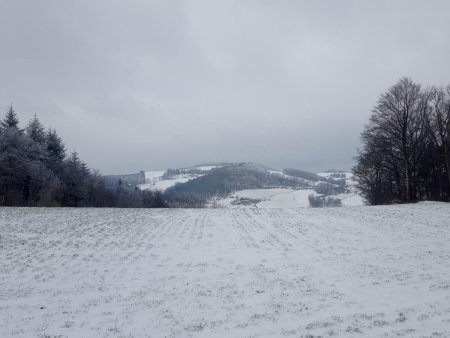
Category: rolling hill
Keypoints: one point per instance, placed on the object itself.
(250, 185)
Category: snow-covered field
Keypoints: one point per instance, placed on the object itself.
(349, 272)
(268, 198)
(281, 198)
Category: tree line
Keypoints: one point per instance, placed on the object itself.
(405, 155)
(35, 170)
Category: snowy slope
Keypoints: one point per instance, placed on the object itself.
(286, 197)
(352, 198)
(345, 272)
(280, 198)
(267, 198)
(161, 184)
(156, 181)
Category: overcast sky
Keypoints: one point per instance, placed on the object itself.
(134, 85)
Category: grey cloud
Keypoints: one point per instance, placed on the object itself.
(153, 84)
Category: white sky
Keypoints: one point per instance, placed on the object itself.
(136, 85)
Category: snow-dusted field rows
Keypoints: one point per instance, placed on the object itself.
(357, 271)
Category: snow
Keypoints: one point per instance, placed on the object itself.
(154, 175)
(270, 198)
(207, 167)
(155, 181)
(282, 198)
(290, 199)
(164, 184)
(279, 173)
(351, 199)
(328, 174)
(347, 272)
(262, 193)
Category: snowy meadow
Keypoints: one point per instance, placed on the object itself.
(349, 272)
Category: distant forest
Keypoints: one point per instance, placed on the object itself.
(406, 146)
(36, 171)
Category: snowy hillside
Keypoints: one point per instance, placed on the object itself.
(345, 272)
(253, 185)
(352, 197)
(287, 197)
(266, 198)
(155, 180)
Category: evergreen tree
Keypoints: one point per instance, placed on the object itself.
(35, 130)
(76, 182)
(55, 145)
(56, 152)
(10, 120)
(24, 179)
(85, 171)
(34, 171)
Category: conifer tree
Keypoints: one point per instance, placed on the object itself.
(10, 120)
(35, 130)
(56, 152)
(34, 171)
(75, 182)
(55, 145)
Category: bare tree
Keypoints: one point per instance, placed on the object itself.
(397, 124)
(437, 121)
(406, 146)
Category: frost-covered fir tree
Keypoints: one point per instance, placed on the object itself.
(35, 130)
(10, 120)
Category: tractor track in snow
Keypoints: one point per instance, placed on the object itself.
(363, 271)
